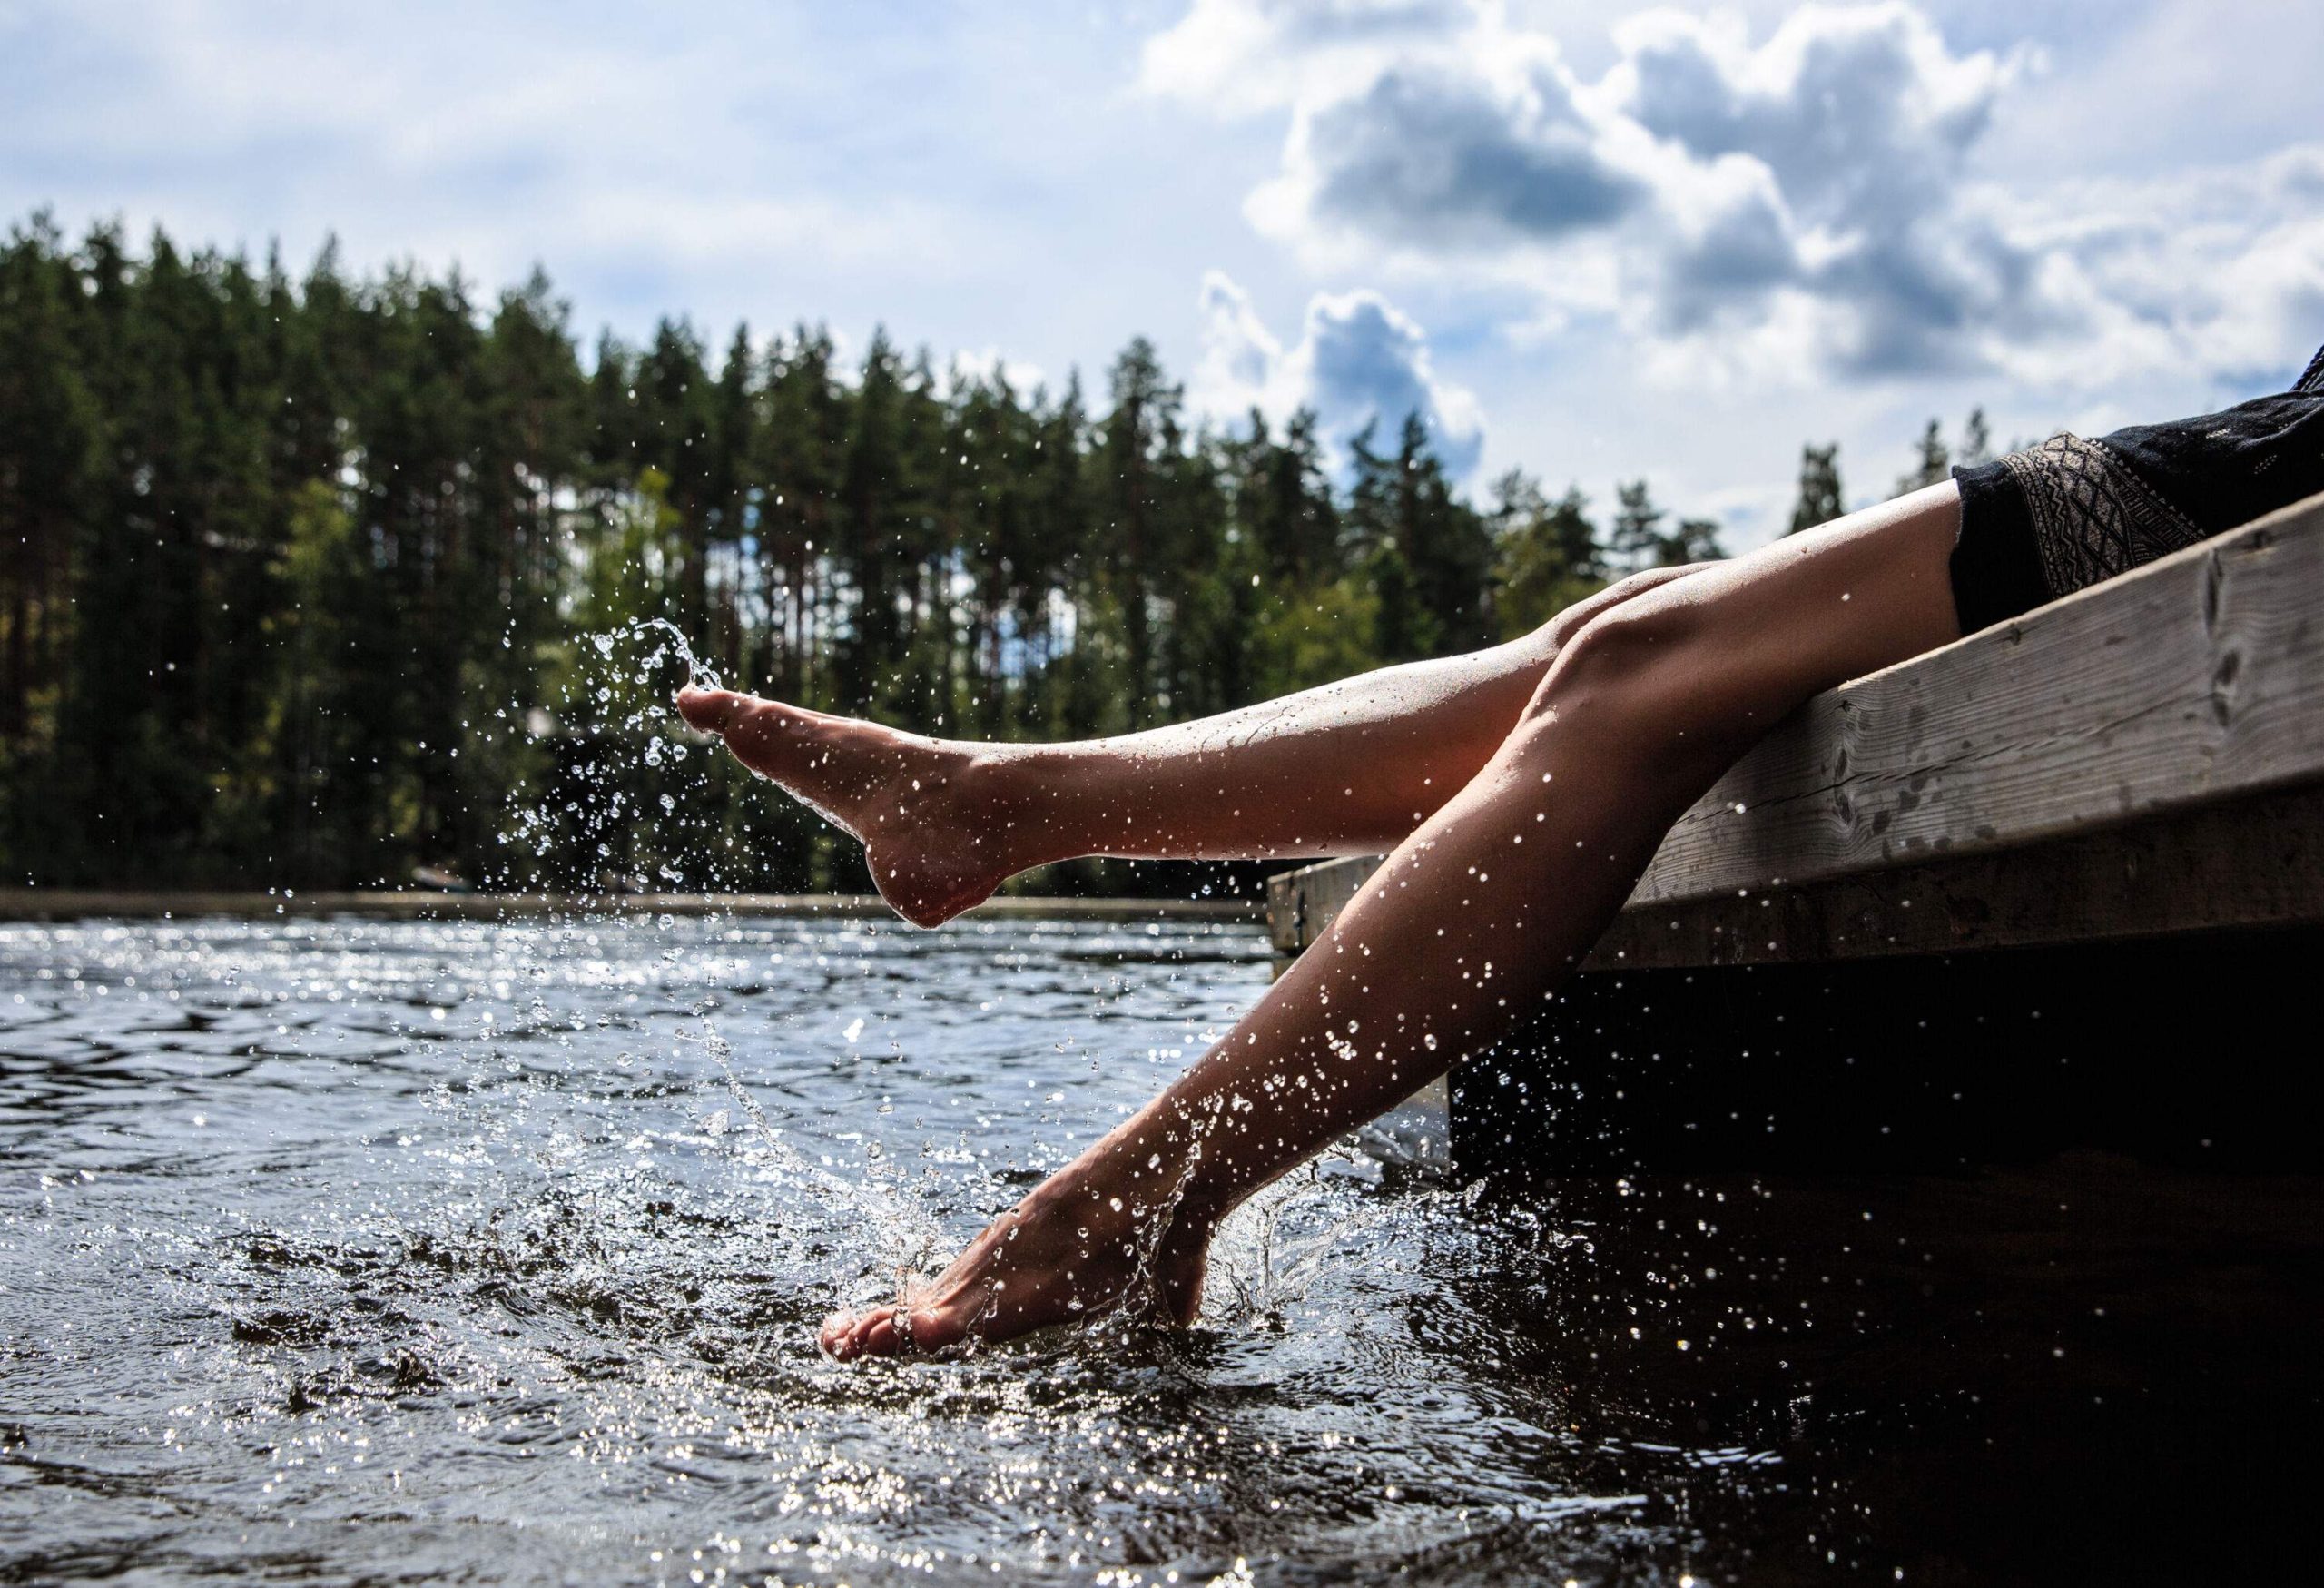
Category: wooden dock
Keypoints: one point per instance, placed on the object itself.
(2093, 834)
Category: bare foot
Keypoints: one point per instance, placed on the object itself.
(936, 831)
(1080, 1246)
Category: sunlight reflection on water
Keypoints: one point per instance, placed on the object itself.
(460, 1233)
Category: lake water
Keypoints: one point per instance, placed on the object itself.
(347, 1251)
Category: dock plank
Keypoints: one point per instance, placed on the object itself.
(2192, 680)
(2144, 754)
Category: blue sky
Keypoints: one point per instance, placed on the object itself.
(1595, 241)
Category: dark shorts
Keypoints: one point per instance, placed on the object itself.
(2050, 520)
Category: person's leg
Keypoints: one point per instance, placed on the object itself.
(1477, 917)
(1348, 768)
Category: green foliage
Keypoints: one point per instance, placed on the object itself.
(1694, 540)
(1821, 498)
(1637, 527)
(1640, 540)
(1548, 555)
(1933, 463)
(1403, 631)
(1976, 442)
(1313, 636)
(1427, 554)
(317, 581)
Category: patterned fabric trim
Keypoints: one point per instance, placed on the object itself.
(2094, 517)
(2313, 379)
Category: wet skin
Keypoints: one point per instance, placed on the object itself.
(1520, 791)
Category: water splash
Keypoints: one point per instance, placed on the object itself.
(620, 824)
(699, 673)
(505, 1237)
(790, 1158)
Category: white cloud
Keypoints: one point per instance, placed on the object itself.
(716, 160)
(1242, 57)
(1359, 361)
(1800, 207)
(2110, 236)
(1439, 158)
(2220, 269)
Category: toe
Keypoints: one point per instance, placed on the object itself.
(710, 710)
(930, 1328)
(842, 1332)
(890, 1331)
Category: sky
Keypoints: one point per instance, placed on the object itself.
(1596, 241)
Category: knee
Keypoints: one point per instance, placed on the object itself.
(1563, 629)
(1646, 672)
(1639, 650)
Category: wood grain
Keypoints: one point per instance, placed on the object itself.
(2195, 686)
(2197, 679)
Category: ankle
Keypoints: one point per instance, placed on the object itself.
(1160, 1169)
(1011, 796)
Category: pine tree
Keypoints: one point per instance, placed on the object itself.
(1637, 534)
(868, 544)
(51, 454)
(1402, 629)
(1933, 465)
(1821, 496)
(1546, 554)
(1134, 443)
(1976, 442)
(1289, 499)
(799, 462)
(1447, 543)
(314, 580)
(1694, 540)
(731, 499)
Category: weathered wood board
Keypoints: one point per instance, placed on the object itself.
(2258, 861)
(2193, 680)
(1843, 954)
(2143, 757)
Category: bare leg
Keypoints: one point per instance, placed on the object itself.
(1477, 916)
(1348, 768)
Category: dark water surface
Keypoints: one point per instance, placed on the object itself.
(368, 1253)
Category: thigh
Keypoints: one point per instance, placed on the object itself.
(1812, 610)
(1684, 677)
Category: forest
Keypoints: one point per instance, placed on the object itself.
(326, 581)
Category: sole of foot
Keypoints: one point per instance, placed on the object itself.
(932, 833)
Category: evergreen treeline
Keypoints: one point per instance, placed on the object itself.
(314, 581)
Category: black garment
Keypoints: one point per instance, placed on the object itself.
(2050, 520)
